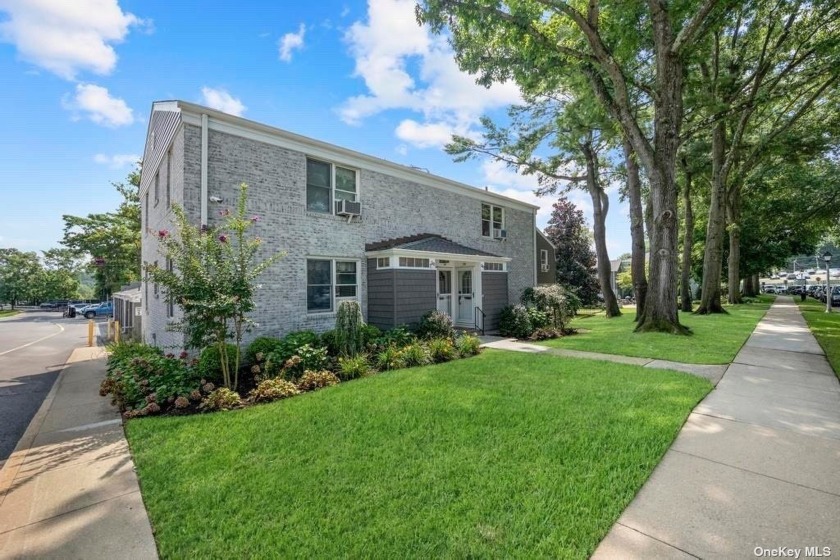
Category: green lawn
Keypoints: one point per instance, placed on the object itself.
(716, 338)
(501, 455)
(8, 312)
(825, 327)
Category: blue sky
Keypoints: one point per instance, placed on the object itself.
(79, 79)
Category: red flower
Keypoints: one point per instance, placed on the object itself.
(163, 233)
(223, 238)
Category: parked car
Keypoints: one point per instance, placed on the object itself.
(104, 309)
(770, 289)
(48, 305)
(835, 296)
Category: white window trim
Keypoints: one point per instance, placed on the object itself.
(333, 188)
(485, 269)
(492, 208)
(388, 267)
(544, 263)
(334, 299)
(157, 187)
(429, 266)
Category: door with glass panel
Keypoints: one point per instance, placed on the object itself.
(444, 304)
(465, 296)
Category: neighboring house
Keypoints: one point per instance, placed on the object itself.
(398, 240)
(616, 268)
(546, 260)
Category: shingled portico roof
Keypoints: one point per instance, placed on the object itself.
(429, 243)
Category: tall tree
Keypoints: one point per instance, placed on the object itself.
(575, 260)
(570, 141)
(19, 272)
(633, 50)
(110, 241)
(771, 64)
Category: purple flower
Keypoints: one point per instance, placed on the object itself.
(163, 233)
(255, 219)
(225, 212)
(223, 238)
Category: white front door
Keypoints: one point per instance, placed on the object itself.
(466, 296)
(444, 304)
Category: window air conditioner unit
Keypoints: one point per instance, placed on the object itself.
(348, 208)
(500, 234)
(544, 268)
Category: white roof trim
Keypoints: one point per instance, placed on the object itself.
(223, 122)
(544, 236)
(398, 252)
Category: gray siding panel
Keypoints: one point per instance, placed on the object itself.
(495, 288)
(546, 277)
(380, 294)
(416, 295)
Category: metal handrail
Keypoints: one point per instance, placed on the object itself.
(475, 322)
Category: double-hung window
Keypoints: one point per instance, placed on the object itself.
(157, 188)
(544, 260)
(492, 218)
(328, 280)
(327, 184)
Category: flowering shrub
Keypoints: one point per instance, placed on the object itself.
(209, 362)
(139, 375)
(539, 319)
(468, 345)
(213, 280)
(441, 350)
(221, 399)
(311, 380)
(558, 303)
(435, 324)
(264, 345)
(415, 355)
(351, 368)
(389, 358)
(272, 390)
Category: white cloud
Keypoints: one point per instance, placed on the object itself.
(221, 100)
(427, 135)
(97, 104)
(291, 42)
(405, 67)
(66, 37)
(117, 161)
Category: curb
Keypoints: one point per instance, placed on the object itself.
(11, 467)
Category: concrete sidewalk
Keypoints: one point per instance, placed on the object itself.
(755, 466)
(69, 489)
(711, 372)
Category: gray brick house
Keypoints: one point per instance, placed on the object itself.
(399, 240)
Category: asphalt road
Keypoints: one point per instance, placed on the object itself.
(33, 348)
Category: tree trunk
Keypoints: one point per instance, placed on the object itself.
(733, 211)
(637, 230)
(688, 244)
(660, 312)
(600, 207)
(715, 229)
(750, 289)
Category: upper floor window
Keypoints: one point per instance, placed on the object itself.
(157, 187)
(327, 183)
(544, 260)
(492, 218)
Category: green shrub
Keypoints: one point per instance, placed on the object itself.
(327, 340)
(415, 355)
(221, 399)
(515, 321)
(539, 319)
(468, 345)
(210, 362)
(263, 345)
(351, 368)
(272, 390)
(389, 358)
(435, 324)
(441, 350)
(369, 334)
(557, 302)
(311, 380)
(306, 357)
(348, 328)
(139, 375)
(398, 337)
